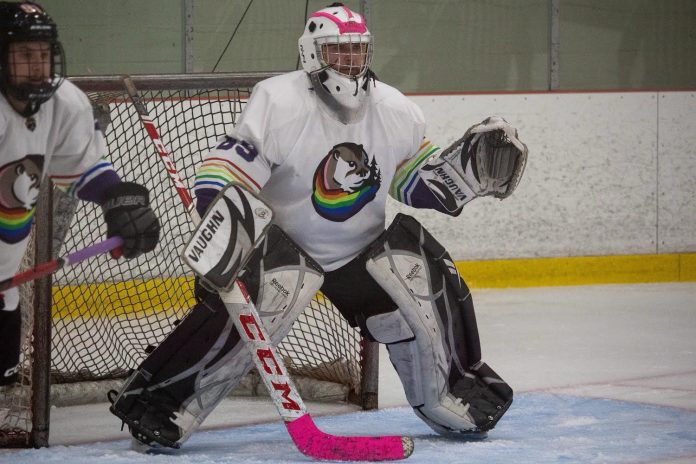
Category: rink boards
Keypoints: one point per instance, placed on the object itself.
(609, 195)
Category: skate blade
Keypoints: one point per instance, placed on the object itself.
(152, 448)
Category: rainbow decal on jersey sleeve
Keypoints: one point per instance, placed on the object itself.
(15, 224)
(73, 183)
(407, 176)
(216, 173)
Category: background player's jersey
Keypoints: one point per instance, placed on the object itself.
(61, 141)
(327, 182)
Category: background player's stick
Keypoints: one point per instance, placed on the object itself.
(61, 262)
(307, 437)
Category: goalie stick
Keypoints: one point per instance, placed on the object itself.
(70, 259)
(305, 434)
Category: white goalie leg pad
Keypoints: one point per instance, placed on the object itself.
(204, 358)
(432, 337)
(417, 349)
(282, 280)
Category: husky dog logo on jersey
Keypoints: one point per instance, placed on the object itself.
(19, 192)
(344, 182)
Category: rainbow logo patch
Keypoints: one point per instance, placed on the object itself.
(15, 224)
(344, 182)
(19, 191)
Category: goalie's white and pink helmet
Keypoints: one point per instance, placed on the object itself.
(342, 82)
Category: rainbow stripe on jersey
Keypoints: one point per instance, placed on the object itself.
(73, 183)
(337, 205)
(406, 176)
(216, 173)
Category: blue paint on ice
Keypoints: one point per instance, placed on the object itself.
(538, 428)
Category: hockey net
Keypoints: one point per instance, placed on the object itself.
(106, 315)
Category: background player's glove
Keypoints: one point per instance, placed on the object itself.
(128, 214)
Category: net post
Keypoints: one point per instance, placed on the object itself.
(369, 381)
(41, 366)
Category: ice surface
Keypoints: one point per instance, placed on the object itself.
(602, 374)
(539, 428)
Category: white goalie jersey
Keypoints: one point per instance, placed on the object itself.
(326, 181)
(61, 141)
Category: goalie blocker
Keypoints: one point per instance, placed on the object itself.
(197, 365)
(432, 337)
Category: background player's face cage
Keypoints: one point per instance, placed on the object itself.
(106, 314)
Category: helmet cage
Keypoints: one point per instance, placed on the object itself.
(339, 52)
(33, 93)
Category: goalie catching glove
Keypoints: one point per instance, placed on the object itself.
(127, 213)
(488, 160)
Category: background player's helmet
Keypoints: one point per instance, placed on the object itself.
(28, 22)
(344, 88)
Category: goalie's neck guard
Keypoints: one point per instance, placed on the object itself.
(347, 102)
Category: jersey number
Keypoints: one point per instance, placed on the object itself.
(243, 148)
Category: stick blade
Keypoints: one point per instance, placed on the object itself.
(314, 443)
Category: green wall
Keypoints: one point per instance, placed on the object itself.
(420, 45)
(455, 45)
(119, 36)
(628, 44)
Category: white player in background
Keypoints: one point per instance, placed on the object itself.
(47, 129)
(324, 147)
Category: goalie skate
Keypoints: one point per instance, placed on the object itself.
(149, 417)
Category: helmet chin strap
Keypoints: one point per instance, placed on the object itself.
(26, 107)
(347, 107)
(30, 109)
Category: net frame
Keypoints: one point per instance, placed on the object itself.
(353, 357)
